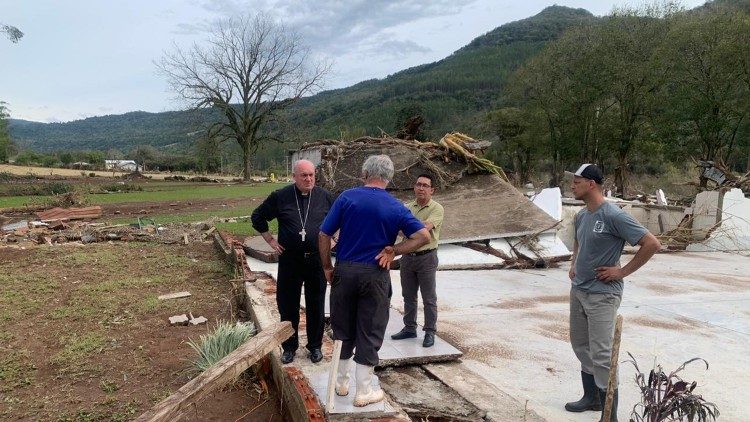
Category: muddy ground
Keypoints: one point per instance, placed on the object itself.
(83, 336)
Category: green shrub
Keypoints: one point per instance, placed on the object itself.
(216, 345)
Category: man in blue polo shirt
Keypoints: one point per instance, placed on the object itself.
(368, 220)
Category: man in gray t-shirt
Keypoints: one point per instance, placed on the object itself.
(601, 230)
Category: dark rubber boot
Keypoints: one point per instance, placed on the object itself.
(590, 399)
(603, 400)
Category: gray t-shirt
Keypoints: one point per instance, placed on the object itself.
(601, 235)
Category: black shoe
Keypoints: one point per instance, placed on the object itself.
(403, 334)
(287, 357)
(603, 401)
(429, 339)
(316, 355)
(590, 399)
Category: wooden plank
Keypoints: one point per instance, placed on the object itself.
(335, 360)
(174, 295)
(611, 384)
(178, 404)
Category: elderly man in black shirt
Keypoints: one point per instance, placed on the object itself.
(300, 209)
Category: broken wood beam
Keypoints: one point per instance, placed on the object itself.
(182, 401)
(174, 295)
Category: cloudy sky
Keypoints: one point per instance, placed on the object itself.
(83, 58)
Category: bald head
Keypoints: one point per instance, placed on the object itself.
(303, 173)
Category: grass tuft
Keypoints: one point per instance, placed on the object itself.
(216, 345)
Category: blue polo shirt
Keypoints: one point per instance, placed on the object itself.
(368, 219)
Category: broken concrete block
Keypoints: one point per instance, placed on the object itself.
(179, 320)
(57, 225)
(16, 226)
(174, 295)
(661, 199)
(198, 321)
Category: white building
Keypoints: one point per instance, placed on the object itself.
(122, 165)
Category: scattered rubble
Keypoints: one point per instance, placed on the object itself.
(179, 320)
(185, 320)
(58, 232)
(67, 214)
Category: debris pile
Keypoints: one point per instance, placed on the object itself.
(480, 204)
(59, 231)
(449, 160)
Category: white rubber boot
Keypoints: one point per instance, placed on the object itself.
(343, 376)
(366, 394)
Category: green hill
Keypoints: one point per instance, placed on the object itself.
(453, 93)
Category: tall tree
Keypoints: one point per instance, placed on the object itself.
(517, 140)
(560, 86)
(707, 94)
(632, 70)
(250, 69)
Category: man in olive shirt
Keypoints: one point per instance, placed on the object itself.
(418, 268)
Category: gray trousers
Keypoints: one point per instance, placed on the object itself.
(418, 273)
(592, 327)
(360, 299)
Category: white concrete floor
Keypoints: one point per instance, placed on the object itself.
(512, 326)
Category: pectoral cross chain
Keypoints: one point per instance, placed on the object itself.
(303, 233)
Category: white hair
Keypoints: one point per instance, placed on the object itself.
(378, 167)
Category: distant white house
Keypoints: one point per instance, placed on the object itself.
(122, 165)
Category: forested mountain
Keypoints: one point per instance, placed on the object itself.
(452, 94)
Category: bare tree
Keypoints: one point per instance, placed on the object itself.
(250, 69)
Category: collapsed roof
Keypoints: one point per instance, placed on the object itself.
(479, 202)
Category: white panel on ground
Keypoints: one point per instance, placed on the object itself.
(457, 257)
(550, 201)
(705, 210)
(410, 351)
(734, 232)
(272, 268)
(503, 246)
(546, 245)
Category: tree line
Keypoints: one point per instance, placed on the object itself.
(631, 92)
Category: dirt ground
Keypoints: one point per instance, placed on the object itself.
(45, 171)
(83, 336)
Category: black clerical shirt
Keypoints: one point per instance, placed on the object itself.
(283, 206)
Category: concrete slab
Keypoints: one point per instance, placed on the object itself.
(271, 268)
(345, 404)
(513, 328)
(410, 351)
(257, 247)
(425, 398)
(550, 201)
(546, 246)
(734, 232)
(459, 257)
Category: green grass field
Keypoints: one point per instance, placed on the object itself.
(170, 192)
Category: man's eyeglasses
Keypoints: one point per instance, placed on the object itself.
(422, 185)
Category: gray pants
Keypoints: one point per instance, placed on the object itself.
(418, 272)
(592, 326)
(360, 299)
